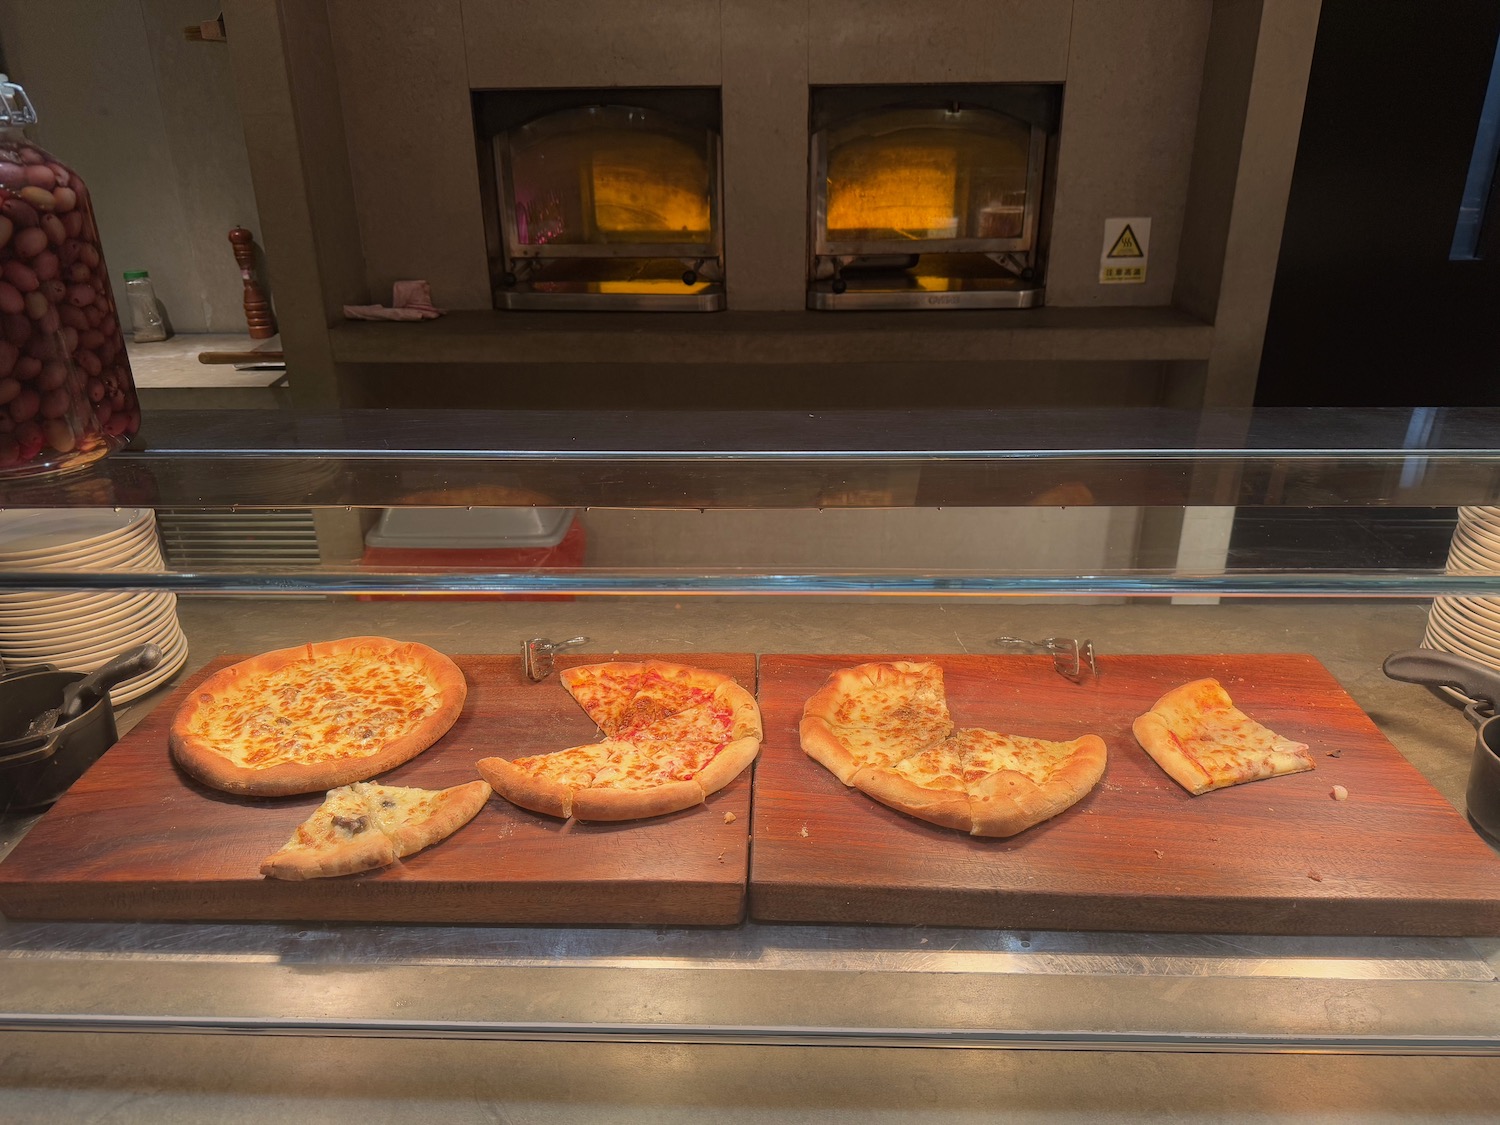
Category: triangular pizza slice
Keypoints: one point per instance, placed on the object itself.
(364, 826)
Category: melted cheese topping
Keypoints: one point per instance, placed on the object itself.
(341, 817)
(985, 753)
(357, 811)
(664, 726)
(603, 692)
(316, 710)
(894, 714)
(574, 767)
(707, 722)
(1224, 742)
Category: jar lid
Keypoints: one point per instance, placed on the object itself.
(135, 275)
(15, 106)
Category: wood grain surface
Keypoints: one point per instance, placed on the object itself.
(136, 838)
(1138, 853)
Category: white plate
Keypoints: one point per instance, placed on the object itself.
(88, 624)
(73, 653)
(1478, 546)
(1464, 559)
(113, 556)
(1457, 642)
(54, 609)
(1483, 612)
(1461, 631)
(1471, 612)
(135, 533)
(30, 533)
(1484, 524)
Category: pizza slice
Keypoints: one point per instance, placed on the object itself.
(546, 783)
(364, 826)
(673, 735)
(604, 691)
(1203, 741)
(988, 784)
(875, 715)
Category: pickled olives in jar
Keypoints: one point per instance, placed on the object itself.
(66, 392)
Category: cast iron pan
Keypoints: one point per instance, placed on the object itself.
(1476, 688)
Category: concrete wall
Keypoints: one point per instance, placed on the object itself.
(151, 123)
(1132, 72)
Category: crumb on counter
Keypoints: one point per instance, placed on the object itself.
(1336, 753)
(1315, 877)
(1339, 793)
(803, 833)
(730, 818)
(1159, 853)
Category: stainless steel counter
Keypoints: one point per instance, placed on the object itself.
(791, 1022)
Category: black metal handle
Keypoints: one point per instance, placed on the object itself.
(1434, 669)
(79, 697)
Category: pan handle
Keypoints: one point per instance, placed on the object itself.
(29, 670)
(31, 750)
(1477, 683)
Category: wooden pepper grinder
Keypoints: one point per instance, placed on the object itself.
(257, 306)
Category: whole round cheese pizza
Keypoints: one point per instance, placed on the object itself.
(884, 729)
(310, 718)
(674, 734)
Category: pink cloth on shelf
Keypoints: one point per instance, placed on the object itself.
(411, 300)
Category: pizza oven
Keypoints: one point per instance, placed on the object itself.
(923, 197)
(605, 199)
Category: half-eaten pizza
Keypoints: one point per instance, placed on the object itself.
(884, 729)
(1203, 741)
(363, 826)
(673, 735)
(310, 718)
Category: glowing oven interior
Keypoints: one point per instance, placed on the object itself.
(605, 204)
(922, 197)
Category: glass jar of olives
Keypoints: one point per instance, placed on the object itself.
(66, 392)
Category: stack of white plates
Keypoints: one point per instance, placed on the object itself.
(81, 631)
(1470, 626)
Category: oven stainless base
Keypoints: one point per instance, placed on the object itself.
(587, 296)
(908, 292)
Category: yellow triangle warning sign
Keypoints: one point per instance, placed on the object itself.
(1125, 246)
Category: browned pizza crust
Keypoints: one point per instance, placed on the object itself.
(834, 705)
(846, 682)
(1008, 802)
(823, 746)
(636, 804)
(727, 764)
(363, 853)
(539, 794)
(745, 722)
(199, 758)
(1001, 804)
(456, 807)
(947, 807)
(1168, 733)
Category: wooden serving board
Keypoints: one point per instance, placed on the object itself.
(137, 839)
(1138, 853)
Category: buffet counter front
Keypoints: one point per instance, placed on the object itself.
(1320, 937)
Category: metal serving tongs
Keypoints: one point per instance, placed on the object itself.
(537, 655)
(1069, 655)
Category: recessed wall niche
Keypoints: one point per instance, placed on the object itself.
(930, 196)
(603, 199)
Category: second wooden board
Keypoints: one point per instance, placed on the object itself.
(1138, 853)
